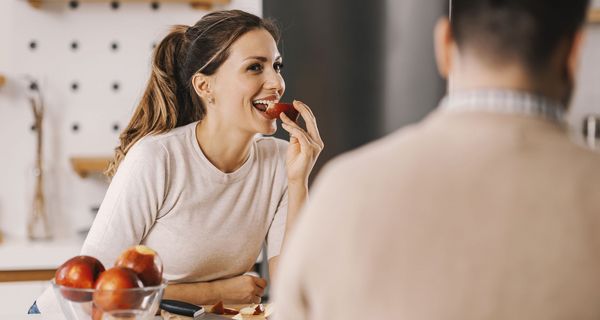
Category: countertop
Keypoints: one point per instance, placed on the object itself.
(21, 254)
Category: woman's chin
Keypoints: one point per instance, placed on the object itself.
(269, 129)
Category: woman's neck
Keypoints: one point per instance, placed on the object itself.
(225, 148)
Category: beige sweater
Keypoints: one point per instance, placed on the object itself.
(466, 216)
(204, 224)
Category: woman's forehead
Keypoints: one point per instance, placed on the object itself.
(255, 43)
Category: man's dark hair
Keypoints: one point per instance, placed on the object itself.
(527, 31)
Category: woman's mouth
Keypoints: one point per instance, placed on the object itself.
(262, 105)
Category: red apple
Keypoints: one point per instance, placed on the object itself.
(275, 109)
(260, 309)
(78, 272)
(144, 261)
(110, 294)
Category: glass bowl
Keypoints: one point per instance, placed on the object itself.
(131, 304)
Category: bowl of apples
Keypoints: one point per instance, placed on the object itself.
(131, 289)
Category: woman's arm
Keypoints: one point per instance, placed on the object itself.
(236, 290)
(305, 146)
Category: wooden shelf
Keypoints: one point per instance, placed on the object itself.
(85, 166)
(2, 80)
(594, 15)
(196, 4)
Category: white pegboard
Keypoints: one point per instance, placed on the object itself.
(95, 107)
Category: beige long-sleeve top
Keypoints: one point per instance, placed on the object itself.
(204, 224)
(466, 216)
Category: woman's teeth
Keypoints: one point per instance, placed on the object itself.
(262, 105)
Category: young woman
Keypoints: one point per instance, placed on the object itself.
(193, 177)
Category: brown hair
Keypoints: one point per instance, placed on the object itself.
(170, 100)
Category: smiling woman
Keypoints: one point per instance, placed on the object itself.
(193, 177)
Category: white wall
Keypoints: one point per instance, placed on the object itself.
(95, 107)
(586, 100)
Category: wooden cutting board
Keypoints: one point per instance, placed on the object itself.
(170, 316)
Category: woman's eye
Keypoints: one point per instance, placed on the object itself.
(278, 66)
(255, 67)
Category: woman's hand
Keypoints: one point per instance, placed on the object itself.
(241, 289)
(305, 145)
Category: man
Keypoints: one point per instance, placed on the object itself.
(485, 210)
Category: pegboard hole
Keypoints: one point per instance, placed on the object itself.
(116, 127)
(114, 46)
(75, 127)
(32, 128)
(74, 45)
(115, 5)
(33, 45)
(73, 4)
(116, 86)
(33, 86)
(155, 5)
(74, 86)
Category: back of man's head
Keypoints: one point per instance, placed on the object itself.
(523, 31)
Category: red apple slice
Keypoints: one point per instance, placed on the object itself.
(275, 109)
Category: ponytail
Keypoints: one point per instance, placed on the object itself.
(167, 102)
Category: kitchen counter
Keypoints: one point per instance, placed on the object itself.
(24, 260)
(38, 316)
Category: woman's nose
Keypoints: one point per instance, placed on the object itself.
(275, 82)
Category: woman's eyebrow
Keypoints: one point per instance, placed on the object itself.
(262, 59)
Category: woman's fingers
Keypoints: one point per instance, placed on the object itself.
(299, 134)
(256, 300)
(310, 120)
(260, 282)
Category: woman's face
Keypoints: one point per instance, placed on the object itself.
(251, 73)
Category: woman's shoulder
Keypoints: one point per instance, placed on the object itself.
(153, 143)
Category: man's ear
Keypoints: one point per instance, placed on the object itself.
(574, 56)
(443, 42)
(202, 86)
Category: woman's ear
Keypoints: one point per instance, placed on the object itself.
(575, 54)
(202, 85)
(443, 42)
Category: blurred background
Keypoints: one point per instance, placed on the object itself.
(366, 69)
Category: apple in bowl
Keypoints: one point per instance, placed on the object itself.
(144, 261)
(80, 272)
(113, 290)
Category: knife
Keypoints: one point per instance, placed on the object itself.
(188, 310)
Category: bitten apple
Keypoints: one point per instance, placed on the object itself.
(79, 272)
(144, 261)
(276, 108)
(110, 294)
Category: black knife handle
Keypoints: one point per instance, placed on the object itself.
(179, 307)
